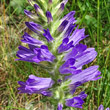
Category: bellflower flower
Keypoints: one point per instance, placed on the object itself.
(36, 85)
(62, 51)
(76, 101)
(35, 54)
(102, 108)
(34, 27)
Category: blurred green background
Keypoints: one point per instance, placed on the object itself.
(94, 15)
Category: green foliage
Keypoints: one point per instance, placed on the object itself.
(19, 6)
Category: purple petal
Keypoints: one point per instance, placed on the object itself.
(86, 75)
(69, 30)
(62, 26)
(34, 27)
(101, 107)
(60, 106)
(77, 101)
(49, 17)
(36, 85)
(47, 35)
(30, 40)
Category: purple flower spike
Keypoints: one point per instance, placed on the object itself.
(102, 108)
(62, 26)
(34, 27)
(60, 107)
(77, 101)
(89, 74)
(30, 40)
(35, 85)
(47, 35)
(49, 17)
(66, 45)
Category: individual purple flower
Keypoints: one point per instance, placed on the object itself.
(60, 106)
(49, 17)
(66, 45)
(90, 74)
(35, 54)
(25, 54)
(78, 49)
(35, 85)
(68, 67)
(77, 58)
(77, 35)
(74, 39)
(102, 108)
(43, 54)
(34, 27)
(30, 40)
(77, 101)
(47, 35)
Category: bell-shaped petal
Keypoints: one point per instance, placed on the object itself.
(77, 101)
(90, 74)
(60, 106)
(80, 48)
(25, 54)
(35, 54)
(34, 27)
(47, 35)
(30, 40)
(35, 85)
(82, 55)
(77, 35)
